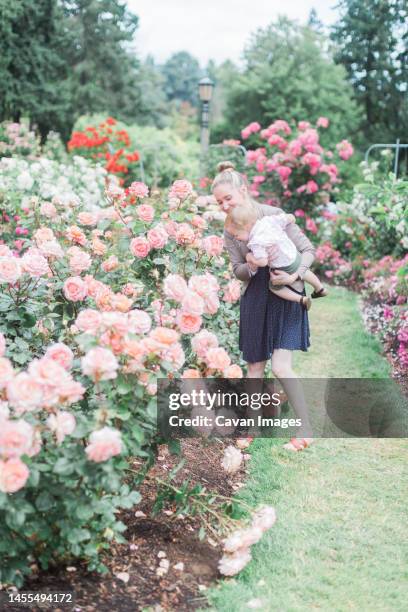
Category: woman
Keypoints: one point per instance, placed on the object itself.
(269, 326)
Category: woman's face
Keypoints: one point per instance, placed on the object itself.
(228, 197)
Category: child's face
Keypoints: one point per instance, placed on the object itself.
(241, 233)
(228, 197)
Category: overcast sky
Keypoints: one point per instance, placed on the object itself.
(216, 29)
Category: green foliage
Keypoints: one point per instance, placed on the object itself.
(289, 73)
(372, 44)
(181, 75)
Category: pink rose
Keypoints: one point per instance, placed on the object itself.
(311, 187)
(13, 475)
(139, 322)
(188, 323)
(75, 234)
(174, 354)
(62, 423)
(48, 210)
(6, 372)
(2, 345)
(99, 364)
(16, 438)
(213, 245)
(24, 393)
(89, 320)
(192, 303)
(140, 247)
(211, 303)
(10, 269)
(174, 287)
(345, 149)
(203, 341)
(217, 359)
(104, 444)
(322, 122)
(232, 291)
(233, 371)
(43, 234)
(184, 234)
(51, 249)
(34, 263)
(139, 189)
(311, 225)
(157, 237)
(75, 289)
(110, 264)
(61, 353)
(181, 189)
(87, 218)
(79, 261)
(145, 212)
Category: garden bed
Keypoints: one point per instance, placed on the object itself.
(132, 582)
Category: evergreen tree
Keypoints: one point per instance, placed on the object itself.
(182, 73)
(372, 45)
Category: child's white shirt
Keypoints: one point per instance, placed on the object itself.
(270, 232)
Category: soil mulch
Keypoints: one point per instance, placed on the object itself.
(151, 539)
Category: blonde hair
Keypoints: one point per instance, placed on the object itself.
(227, 175)
(242, 216)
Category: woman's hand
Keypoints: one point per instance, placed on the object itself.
(279, 277)
(252, 262)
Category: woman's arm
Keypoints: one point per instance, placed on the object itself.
(303, 245)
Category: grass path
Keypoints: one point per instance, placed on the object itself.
(340, 538)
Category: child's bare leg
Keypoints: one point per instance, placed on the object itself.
(291, 296)
(313, 280)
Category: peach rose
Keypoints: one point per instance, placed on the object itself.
(233, 371)
(203, 284)
(174, 355)
(34, 263)
(6, 372)
(110, 264)
(43, 234)
(61, 353)
(192, 303)
(48, 210)
(93, 285)
(157, 237)
(191, 373)
(89, 321)
(184, 234)
(199, 222)
(13, 475)
(62, 423)
(232, 291)
(104, 444)
(164, 335)
(75, 234)
(139, 322)
(51, 248)
(188, 323)
(121, 302)
(211, 303)
(10, 269)
(213, 245)
(16, 438)
(174, 287)
(203, 341)
(70, 391)
(145, 212)
(75, 289)
(24, 393)
(217, 359)
(98, 247)
(79, 261)
(135, 349)
(140, 246)
(99, 364)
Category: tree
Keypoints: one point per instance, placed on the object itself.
(181, 76)
(372, 45)
(154, 107)
(34, 73)
(289, 74)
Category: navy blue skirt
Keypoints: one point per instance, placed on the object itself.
(268, 322)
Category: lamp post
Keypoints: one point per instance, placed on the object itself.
(205, 89)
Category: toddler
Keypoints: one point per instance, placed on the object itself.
(270, 246)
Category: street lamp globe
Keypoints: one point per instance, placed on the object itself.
(205, 89)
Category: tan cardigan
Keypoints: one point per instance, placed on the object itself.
(237, 249)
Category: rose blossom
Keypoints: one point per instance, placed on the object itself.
(10, 270)
(43, 234)
(213, 245)
(61, 353)
(139, 322)
(322, 122)
(174, 354)
(75, 234)
(75, 289)
(87, 218)
(181, 189)
(6, 372)
(232, 459)
(264, 518)
(63, 423)
(175, 287)
(157, 237)
(188, 323)
(203, 284)
(217, 359)
(233, 371)
(232, 291)
(34, 263)
(2, 345)
(164, 335)
(5, 251)
(140, 247)
(24, 393)
(242, 538)
(16, 438)
(51, 248)
(13, 475)
(99, 364)
(48, 210)
(145, 212)
(110, 264)
(98, 247)
(191, 373)
(203, 341)
(229, 565)
(211, 303)
(79, 261)
(192, 303)
(184, 234)
(89, 320)
(104, 444)
(139, 189)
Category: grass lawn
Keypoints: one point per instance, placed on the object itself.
(340, 538)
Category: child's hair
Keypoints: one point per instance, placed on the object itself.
(242, 216)
(229, 176)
